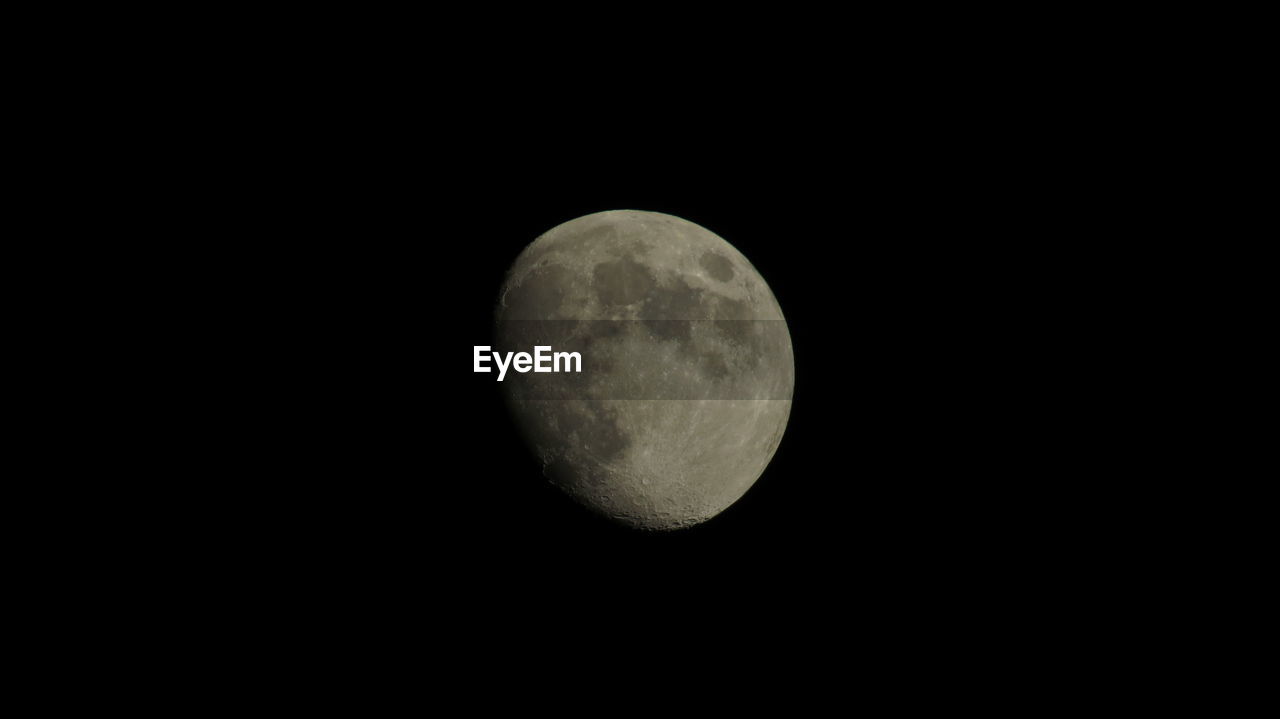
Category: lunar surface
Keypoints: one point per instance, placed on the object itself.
(687, 370)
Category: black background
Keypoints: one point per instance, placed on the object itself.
(360, 459)
(411, 464)
(314, 238)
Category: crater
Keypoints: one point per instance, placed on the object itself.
(717, 265)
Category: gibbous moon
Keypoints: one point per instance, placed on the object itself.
(686, 375)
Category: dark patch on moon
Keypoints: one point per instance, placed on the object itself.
(730, 309)
(622, 282)
(566, 422)
(590, 429)
(602, 330)
(736, 327)
(593, 425)
(605, 440)
(596, 427)
(718, 266)
(714, 367)
(679, 302)
(738, 333)
(670, 308)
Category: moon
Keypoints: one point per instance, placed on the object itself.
(687, 370)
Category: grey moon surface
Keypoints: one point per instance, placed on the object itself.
(688, 370)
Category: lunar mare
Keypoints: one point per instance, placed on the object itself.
(687, 375)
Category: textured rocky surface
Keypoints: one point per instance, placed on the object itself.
(687, 366)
